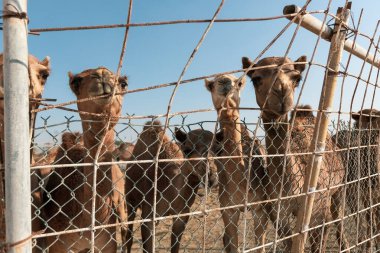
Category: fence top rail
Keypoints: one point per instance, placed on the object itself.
(315, 26)
(36, 31)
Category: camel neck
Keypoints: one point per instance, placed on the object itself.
(93, 133)
(276, 133)
(230, 123)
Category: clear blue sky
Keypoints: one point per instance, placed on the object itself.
(156, 55)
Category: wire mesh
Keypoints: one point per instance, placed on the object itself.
(109, 182)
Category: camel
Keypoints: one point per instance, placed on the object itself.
(68, 202)
(53, 156)
(363, 161)
(274, 88)
(200, 141)
(123, 153)
(177, 184)
(38, 74)
(225, 91)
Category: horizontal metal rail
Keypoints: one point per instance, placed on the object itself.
(315, 26)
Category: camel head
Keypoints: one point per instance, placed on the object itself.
(70, 140)
(39, 71)
(91, 83)
(225, 91)
(370, 118)
(196, 144)
(275, 85)
(197, 141)
(124, 151)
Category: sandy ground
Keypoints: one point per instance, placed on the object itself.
(207, 232)
(204, 233)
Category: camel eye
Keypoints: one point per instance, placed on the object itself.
(297, 79)
(124, 85)
(256, 80)
(123, 81)
(44, 75)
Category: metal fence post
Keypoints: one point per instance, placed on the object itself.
(16, 102)
(321, 127)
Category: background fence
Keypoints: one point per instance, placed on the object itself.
(192, 177)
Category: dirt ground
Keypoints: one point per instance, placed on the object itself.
(207, 232)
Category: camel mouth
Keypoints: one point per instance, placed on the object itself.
(103, 100)
(278, 109)
(278, 112)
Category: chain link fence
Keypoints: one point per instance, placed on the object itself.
(297, 178)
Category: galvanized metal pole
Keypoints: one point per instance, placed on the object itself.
(314, 25)
(320, 132)
(16, 102)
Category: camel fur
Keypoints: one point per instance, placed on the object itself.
(275, 88)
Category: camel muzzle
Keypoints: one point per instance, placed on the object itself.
(107, 89)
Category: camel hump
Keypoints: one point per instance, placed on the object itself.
(303, 111)
(155, 123)
(70, 139)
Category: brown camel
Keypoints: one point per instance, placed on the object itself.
(362, 160)
(200, 141)
(225, 91)
(177, 184)
(68, 202)
(53, 156)
(123, 153)
(274, 88)
(38, 74)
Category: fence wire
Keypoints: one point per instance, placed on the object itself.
(109, 182)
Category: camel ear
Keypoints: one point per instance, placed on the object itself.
(246, 64)
(209, 85)
(74, 81)
(69, 139)
(123, 81)
(180, 135)
(46, 62)
(301, 67)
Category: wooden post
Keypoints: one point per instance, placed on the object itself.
(318, 144)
